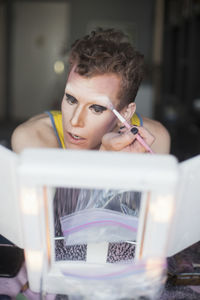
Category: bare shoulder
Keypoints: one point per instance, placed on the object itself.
(36, 132)
(162, 137)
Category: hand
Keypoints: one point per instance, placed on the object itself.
(126, 141)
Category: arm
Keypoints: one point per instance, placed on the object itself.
(153, 132)
(37, 132)
(162, 140)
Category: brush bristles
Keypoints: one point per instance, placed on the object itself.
(117, 114)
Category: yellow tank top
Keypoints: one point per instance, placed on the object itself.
(56, 120)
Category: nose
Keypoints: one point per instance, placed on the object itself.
(78, 116)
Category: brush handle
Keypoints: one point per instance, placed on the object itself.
(128, 126)
(139, 138)
(143, 143)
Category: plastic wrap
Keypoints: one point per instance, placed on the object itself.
(98, 225)
(133, 281)
(124, 201)
(101, 215)
(94, 216)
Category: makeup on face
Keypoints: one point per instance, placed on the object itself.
(98, 108)
(72, 136)
(85, 117)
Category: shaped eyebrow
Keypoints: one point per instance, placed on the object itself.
(70, 96)
(98, 105)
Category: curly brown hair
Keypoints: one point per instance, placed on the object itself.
(109, 51)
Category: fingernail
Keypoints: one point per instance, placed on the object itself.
(122, 127)
(134, 130)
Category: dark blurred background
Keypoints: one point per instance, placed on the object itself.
(35, 37)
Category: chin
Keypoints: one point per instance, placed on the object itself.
(76, 147)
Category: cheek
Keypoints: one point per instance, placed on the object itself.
(63, 105)
(66, 110)
(105, 126)
(63, 109)
(110, 123)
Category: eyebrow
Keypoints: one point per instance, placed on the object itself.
(70, 96)
(102, 107)
(94, 104)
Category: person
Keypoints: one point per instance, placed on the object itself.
(102, 64)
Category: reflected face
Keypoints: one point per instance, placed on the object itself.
(85, 116)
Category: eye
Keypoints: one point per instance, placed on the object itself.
(70, 99)
(97, 108)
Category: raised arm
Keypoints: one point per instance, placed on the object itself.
(153, 133)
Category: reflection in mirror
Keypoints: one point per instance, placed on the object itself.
(91, 216)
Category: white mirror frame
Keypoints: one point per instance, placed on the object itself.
(155, 175)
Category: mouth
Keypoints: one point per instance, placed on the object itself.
(75, 139)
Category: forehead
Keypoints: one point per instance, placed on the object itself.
(89, 87)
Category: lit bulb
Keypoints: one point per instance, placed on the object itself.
(34, 260)
(29, 203)
(59, 67)
(155, 267)
(162, 208)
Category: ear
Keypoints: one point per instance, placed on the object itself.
(128, 111)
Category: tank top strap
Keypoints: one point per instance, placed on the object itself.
(136, 119)
(56, 120)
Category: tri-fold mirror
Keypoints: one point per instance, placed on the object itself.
(98, 224)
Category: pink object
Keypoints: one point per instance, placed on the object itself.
(128, 126)
(108, 103)
(142, 142)
(36, 296)
(12, 286)
(108, 222)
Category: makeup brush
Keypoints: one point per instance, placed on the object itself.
(108, 104)
(128, 126)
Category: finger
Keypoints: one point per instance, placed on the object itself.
(122, 129)
(146, 135)
(134, 147)
(137, 146)
(117, 142)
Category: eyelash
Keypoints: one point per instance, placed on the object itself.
(97, 109)
(71, 100)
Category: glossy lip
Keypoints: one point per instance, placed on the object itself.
(73, 140)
